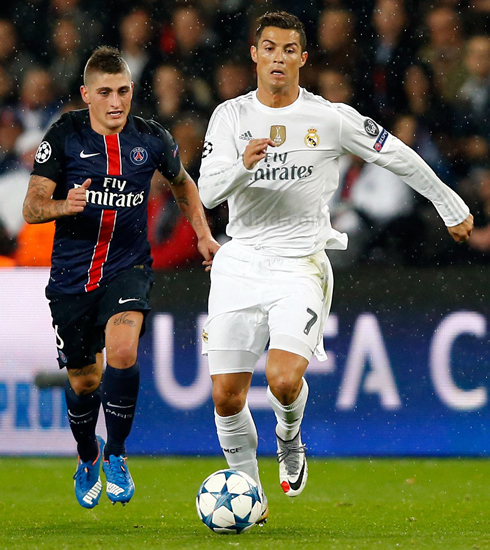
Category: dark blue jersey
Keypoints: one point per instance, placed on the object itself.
(110, 235)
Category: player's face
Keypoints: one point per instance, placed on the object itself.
(108, 97)
(279, 57)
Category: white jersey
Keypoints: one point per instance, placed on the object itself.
(281, 206)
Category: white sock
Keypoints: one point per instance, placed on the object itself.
(289, 417)
(237, 436)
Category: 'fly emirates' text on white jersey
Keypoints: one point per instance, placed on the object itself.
(281, 206)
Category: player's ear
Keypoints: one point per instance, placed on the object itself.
(84, 94)
(253, 53)
(304, 57)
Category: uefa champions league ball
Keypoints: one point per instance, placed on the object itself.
(229, 501)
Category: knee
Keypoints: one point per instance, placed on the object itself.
(285, 387)
(83, 385)
(228, 402)
(122, 357)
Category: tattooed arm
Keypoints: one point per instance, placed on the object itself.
(187, 196)
(40, 207)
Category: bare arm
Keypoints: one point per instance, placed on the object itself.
(40, 207)
(187, 196)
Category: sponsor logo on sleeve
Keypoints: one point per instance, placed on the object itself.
(371, 127)
(43, 152)
(378, 145)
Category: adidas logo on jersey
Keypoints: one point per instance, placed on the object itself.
(247, 136)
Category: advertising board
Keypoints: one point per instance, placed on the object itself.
(396, 382)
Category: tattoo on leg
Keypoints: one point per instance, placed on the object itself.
(183, 200)
(124, 320)
(89, 369)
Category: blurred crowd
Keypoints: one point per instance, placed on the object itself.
(420, 68)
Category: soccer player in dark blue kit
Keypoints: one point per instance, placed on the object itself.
(92, 175)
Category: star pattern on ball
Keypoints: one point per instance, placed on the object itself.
(229, 501)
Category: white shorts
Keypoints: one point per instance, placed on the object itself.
(255, 298)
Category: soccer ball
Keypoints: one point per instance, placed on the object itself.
(229, 501)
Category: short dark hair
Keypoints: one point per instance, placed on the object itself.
(282, 20)
(105, 59)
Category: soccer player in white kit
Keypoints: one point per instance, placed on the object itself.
(273, 154)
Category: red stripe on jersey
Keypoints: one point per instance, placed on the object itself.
(113, 148)
(101, 250)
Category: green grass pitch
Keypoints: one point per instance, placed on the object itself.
(355, 503)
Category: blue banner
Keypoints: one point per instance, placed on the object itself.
(393, 385)
(401, 378)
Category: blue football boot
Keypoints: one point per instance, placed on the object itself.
(88, 485)
(120, 486)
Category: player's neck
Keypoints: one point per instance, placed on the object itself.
(277, 98)
(104, 130)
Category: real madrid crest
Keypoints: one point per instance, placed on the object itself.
(312, 139)
(278, 134)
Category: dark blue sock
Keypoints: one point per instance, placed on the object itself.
(119, 395)
(83, 412)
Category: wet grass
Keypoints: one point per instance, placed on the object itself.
(355, 503)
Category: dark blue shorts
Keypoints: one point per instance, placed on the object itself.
(79, 320)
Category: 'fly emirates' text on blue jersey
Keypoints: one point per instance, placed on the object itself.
(110, 235)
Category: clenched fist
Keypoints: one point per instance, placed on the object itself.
(76, 199)
(462, 232)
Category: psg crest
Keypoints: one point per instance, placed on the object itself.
(278, 134)
(138, 155)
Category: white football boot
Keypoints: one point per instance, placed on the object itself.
(293, 468)
(265, 511)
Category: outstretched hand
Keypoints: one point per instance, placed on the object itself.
(462, 232)
(208, 247)
(76, 200)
